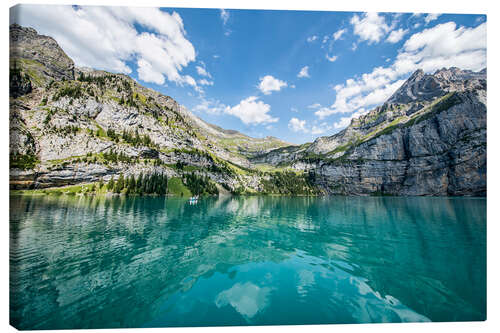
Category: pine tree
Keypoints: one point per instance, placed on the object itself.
(120, 183)
(131, 185)
(139, 184)
(111, 184)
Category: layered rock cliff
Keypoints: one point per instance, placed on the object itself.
(429, 138)
(71, 125)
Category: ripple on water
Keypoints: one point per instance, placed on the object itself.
(79, 262)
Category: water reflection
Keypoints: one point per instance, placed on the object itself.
(79, 262)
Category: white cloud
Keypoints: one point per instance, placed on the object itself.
(345, 121)
(147, 73)
(297, 125)
(210, 106)
(189, 80)
(106, 38)
(304, 72)
(294, 109)
(354, 46)
(205, 82)
(252, 111)
(312, 38)
(320, 129)
(224, 16)
(202, 71)
(338, 34)
(268, 84)
(416, 25)
(332, 58)
(325, 39)
(444, 45)
(431, 17)
(314, 106)
(370, 27)
(396, 35)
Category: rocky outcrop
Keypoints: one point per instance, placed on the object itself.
(441, 152)
(423, 87)
(429, 138)
(40, 54)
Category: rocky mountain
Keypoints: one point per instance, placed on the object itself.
(429, 138)
(71, 125)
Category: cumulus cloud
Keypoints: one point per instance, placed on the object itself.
(370, 27)
(304, 72)
(205, 82)
(444, 45)
(252, 111)
(268, 84)
(396, 35)
(431, 17)
(297, 125)
(106, 38)
(147, 73)
(210, 106)
(320, 129)
(331, 59)
(314, 106)
(202, 71)
(312, 38)
(338, 34)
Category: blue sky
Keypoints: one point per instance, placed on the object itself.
(295, 75)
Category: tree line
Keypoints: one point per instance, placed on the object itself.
(155, 183)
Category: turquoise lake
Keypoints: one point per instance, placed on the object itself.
(95, 262)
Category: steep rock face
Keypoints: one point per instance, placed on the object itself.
(429, 138)
(40, 54)
(444, 154)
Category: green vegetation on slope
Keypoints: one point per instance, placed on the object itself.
(23, 161)
(200, 185)
(177, 188)
(288, 183)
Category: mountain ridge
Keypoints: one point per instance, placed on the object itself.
(95, 126)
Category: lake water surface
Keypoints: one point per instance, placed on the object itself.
(90, 262)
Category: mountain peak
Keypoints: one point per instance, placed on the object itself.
(39, 54)
(426, 87)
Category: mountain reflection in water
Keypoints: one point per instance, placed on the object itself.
(93, 262)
